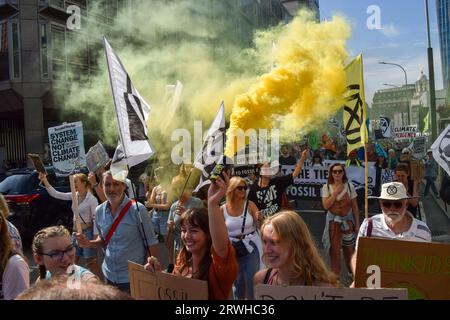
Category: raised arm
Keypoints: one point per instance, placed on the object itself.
(217, 227)
(97, 186)
(52, 192)
(299, 166)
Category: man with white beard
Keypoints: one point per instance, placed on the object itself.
(395, 222)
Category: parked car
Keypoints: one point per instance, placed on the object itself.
(31, 207)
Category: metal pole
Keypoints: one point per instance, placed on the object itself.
(431, 75)
(406, 86)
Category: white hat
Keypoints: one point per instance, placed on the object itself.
(393, 191)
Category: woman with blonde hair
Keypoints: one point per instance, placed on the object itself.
(54, 253)
(87, 203)
(291, 253)
(241, 221)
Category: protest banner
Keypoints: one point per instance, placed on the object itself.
(96, 157)
(146, 285)
(37, 163)
(269, 292)
(67, 147)
(418, 146)
(309, 183)
(405, 133)
(421, 267)
(244, 171)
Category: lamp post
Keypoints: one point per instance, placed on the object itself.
(406, 85)
(431, 74)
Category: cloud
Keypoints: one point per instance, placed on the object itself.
(389, 30)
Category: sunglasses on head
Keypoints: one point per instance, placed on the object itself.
(337, 171)
(390, 204)
(241, 188)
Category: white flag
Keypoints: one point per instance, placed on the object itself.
(212, 149)
(132, 113)
(441, 150)
(385, 126)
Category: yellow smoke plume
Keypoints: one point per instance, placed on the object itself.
(306, 85)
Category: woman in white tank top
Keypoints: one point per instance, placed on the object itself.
(241, 222)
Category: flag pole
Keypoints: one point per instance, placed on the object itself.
(125, 149)
(366, 182)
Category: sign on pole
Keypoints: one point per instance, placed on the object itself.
(96, 157)
(67, 147)
(146, 285)
(37, 163)
(421, 267)
(405, 133)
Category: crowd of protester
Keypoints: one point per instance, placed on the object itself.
(235, 233)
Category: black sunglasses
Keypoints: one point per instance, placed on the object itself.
(241, 188)
(337, 171)
(390, 204)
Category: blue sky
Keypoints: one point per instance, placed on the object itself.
(402, 39)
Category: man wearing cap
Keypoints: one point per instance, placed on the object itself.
(395, 222)
(125, 232)
(431, 171)
(268, 191)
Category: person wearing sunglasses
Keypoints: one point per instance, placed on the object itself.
(339, 198)
(242, 224)
(54, 253)
(395, 221)
(267, 192)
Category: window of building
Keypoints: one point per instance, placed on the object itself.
(4, 52)
(43, 37)
(58, 52)
(16, 49)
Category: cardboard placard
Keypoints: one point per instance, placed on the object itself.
(146, 285)
(67, 147)
(75, 209)
(96, 157)
(37, 163)
(417, 170)
(268, 292)
(422, 267)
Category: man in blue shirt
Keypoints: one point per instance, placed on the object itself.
(130, 239)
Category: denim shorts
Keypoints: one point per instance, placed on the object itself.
(85, 252)
(159, 220)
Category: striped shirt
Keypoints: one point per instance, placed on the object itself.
(418, 230)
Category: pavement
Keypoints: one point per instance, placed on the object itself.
(437, 216)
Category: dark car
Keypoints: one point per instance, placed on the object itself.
(31, 207)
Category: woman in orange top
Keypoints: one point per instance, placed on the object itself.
(207, 253)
